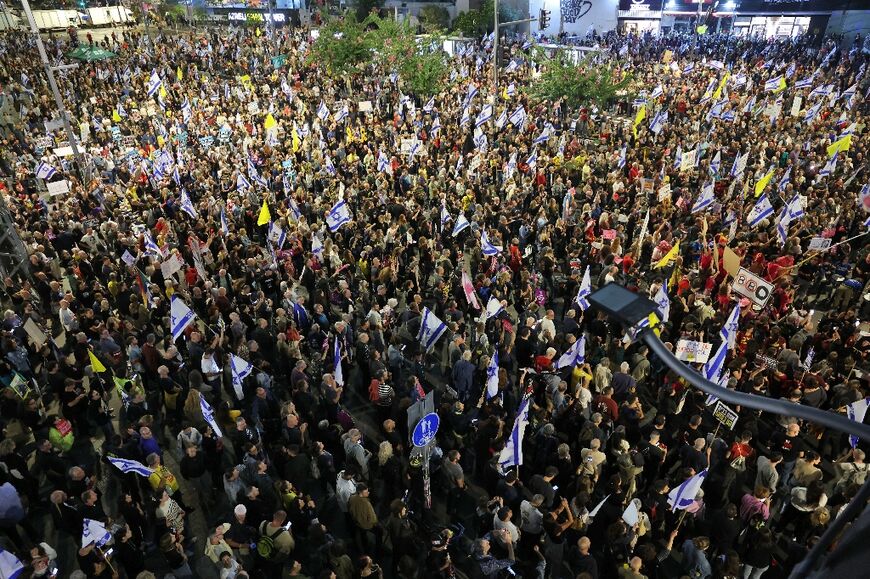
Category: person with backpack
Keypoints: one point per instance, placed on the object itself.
(275, 542)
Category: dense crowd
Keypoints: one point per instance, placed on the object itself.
(224, 320)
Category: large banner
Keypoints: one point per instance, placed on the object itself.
(578, 16)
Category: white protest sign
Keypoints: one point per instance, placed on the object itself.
(753, 287)
(819, 244)
(724, 415)
(171, 265)
(128, 258)
(691, 351)
(64, 151)
(365, 106)
(796, 106)
(58, 187)
(36, 335)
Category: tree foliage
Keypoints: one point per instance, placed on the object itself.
(576, 84)
(480, 21)
(434, 17)
(342, 47)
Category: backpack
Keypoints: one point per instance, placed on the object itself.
(266, 543)
(739, 463)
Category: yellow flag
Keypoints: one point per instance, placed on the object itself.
(116, 118)
(179, 75)
(654, 322)
(95, 363)
(246, 81)
(842, 144)
(265, 217)
(162, 92)
(641, 115)
(504, 94)
(258, 33)
(160, 140)
(782, 85)
(297, 142)
(669, 257)
(719, 88)
(702, 29)
(270, 122)
(761, 185)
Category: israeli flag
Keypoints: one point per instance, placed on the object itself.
(622, 154)
(493, 308)
(327, 164)
(154, 83)
(394, 77)
(813, 112)
(716, 163)
(663, 302)
(658, 122)
(94, 532)
(750, 104)
(657, 92)
(512, 453)
(689, 68)
(415, 148)
(431, 329)
(678, 157)
(856, 411)
(714, 366)
(526, 45)
(782, 229)
(484, 116)
(461, 224)
(187, 205)
(338, 373)
(242, 182)
(502, 119)
(585, 290)
(436, 126)
(794, 208)
(342, 114)
(511, 89)
(322, 111)
(487, 248)
(716, 110)
(151, 246)
(466, 117)
(126, 465)
(760, 211)
(575, 355)
(512, 66)
(176, 176)
(804, 83)
(338, 216)
(492, 376)
(186, 112)
(790, 70)
(684, 495)
(717, 64)
(445, 216)
(472, 92)
(122, 112)
(180, 316)
(705, 199)
(532, 161)
(739, 164)
(240, 369)
(225, 227)
(255, 175)
(429, 106)
(784, 181)
(10, 566)
(772, 84)
(542, 138)
(277, 236)
(480, 140)
(45, 171)
(822, 90)
(208, 415)
(518, 117)
(728, 333)
(384, 163)
(316, 246)
(830, 166)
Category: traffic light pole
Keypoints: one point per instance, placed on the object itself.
(495, 49)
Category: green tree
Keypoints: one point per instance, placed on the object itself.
(576, 85)
(342, 47)
(364, 8)
(434, 17)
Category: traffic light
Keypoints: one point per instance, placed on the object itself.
(544, 19)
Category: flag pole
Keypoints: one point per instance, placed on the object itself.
(680, 521)
(106, 559)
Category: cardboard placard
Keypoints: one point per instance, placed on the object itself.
(725, 415)
(58, 187)
(36, 335)
(43, 143)
(819, 244)
(253, 107)
(665, 192)
(171, 265)
(647, 185)
(691, 351)
(608, 234)
(731, 261)
(365, 106)
(128, 258)
(753, 287)
(796, 106)
(63, 151)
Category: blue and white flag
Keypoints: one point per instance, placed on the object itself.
(487, 248)
(208, 415)
(518, 117)
(532, 161)
(728, 333)
(322, 111)
(575, 355)
(415, 148)
(689, 68)
(242, 182)
(187, 205)
(512, 453)
(465, 118)
(728, 116)
(45, 171)
(760, 211)
(338, 373)
(789, 72)
(512, 66)
(804, 83)
(585, 291)
(277, 236)
(127, 465)
(295, 212)
(224, 225)
(657, 92)
(622, 154)
(239, 369)
(94, 532)
(472, 92)
(461, 224)
(750, 104)
(773, 84)
(122, 112)
(717, 64)
(429, 106)
(342, 114)
(511, 89)
(856, 411)
(542, 138)
(784, 180)
(813, 112)
(255, 175)
(716, 163)
(493, 308)
(794, 208)
(705, 199)
(180, 316)
(480, 140)
(663, 302)
(830, 166)
(492, 376)
(431, 329)
(510, 166)
(739, 164)
(714, 366)
(683, 496)
(678, 158)
(825, 90)
(502, 120)
(384, 163)
(338, 216)
(808, 361)
(186, 112)
(11, 566)
(436, 126)
(658, 122)
(316, 246)
(445, 216)
(484, 116)
(154, 83)
(151, 246)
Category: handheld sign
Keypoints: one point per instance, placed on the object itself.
(426, 429)
(725, 415)
(753, 287)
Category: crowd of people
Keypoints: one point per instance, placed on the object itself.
(246, 281)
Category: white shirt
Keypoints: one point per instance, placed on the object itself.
(511, 528)
(209, 366)
(343, 491)
(533, 519)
